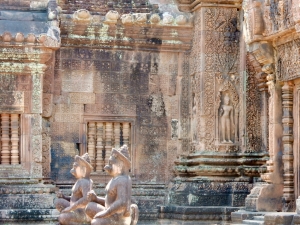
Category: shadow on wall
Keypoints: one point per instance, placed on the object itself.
(62, 162)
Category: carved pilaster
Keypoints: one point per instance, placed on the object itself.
(263, 88)
(14, 124)
(99, 148)
(91, 142)
(108, 140)
(274, 117)
(5, 152)
(287, 140)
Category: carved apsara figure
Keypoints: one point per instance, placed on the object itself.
(227, 122)
(116, 207)
(72, 208)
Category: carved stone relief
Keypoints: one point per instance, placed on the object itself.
(268, 17)
(221, 51)
(287, 66)
(36, 97)
(227, 120)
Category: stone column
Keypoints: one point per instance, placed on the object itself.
(126, 133)
(287, 141)
(99, 148)
(91, 142)
(108, 140)
(5, 152)
(14, 138)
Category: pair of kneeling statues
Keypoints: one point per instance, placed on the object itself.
(84, 207)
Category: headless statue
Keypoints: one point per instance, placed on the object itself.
(72, 208)
(116, 207)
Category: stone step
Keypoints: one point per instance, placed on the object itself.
(253, 222)
(260, 218)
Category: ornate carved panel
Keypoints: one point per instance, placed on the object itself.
(288, 64)
(215, 80)
(253, 110)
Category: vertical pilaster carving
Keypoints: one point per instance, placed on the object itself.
(272, 122)
(263, 88)
(256, 111)
(184, 104)
(99, 148)
(5, 152)
(287, 140)
(108, 140)
(14, 125)
(36, 93)
(117, 135)
(91, 142)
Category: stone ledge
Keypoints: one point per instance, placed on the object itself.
(207, 213)
(38, 216)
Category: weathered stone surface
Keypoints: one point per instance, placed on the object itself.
(211, 86)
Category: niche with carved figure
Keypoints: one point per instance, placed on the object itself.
(227, 117)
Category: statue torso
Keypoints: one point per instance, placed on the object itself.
(81, 186)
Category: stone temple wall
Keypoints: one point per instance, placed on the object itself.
(204, 93)
(101, 84)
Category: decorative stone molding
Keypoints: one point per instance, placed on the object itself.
(82, 16)
(112, 17)
(167, 18)
(154, 19)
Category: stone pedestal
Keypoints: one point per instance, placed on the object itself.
(265, 197)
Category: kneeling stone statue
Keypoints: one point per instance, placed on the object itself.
(72, 208)
(116, 207)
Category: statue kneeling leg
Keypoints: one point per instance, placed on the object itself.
(116, 219)
(75, 217)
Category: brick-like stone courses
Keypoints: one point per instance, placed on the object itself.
(122, 84)
(103, 6)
